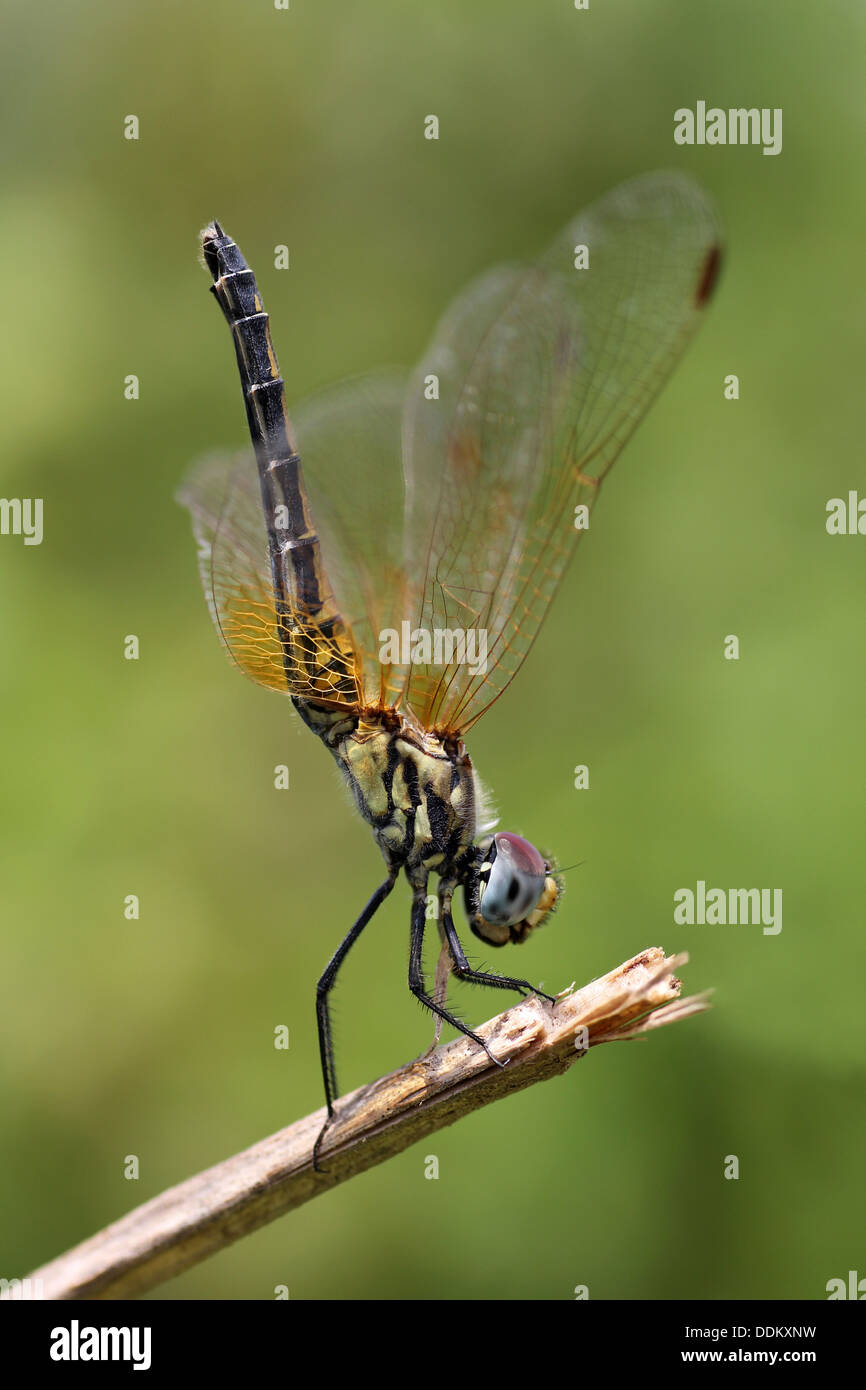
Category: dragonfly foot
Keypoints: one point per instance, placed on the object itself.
(551, 999)
(482, 1043)
(317, 1168)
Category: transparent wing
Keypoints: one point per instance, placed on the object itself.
(542, 372)
(350, 437)
(222, 496)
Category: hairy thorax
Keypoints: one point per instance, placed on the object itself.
(416, 788)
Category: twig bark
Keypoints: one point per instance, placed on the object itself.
(197, 1218)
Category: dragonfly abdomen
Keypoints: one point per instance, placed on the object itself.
(316, 652)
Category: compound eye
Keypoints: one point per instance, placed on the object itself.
(515, 881)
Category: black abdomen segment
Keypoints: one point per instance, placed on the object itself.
(293, 544)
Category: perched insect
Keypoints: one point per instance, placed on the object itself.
(394, 587)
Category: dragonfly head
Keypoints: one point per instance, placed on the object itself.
(517, 889)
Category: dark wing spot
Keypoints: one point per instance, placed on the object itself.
(709, 276)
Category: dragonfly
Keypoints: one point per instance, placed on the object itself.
(394, 583)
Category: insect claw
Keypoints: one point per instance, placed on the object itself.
(494, 1060)
(317, 1168)
(551, 998)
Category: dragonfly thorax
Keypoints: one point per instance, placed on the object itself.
(414, 787)
(419, 792)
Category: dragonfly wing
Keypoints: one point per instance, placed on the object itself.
(533, 382)
(292, 651)
(349, 439)
(222, 495)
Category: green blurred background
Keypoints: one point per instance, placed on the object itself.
(155, 777)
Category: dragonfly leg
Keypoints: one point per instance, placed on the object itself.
(323, 989)
(464, 971)
(416, 974)
(440, 994)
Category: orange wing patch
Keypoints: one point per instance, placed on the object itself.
(310, 656)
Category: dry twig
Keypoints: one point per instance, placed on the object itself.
(197, 1218)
